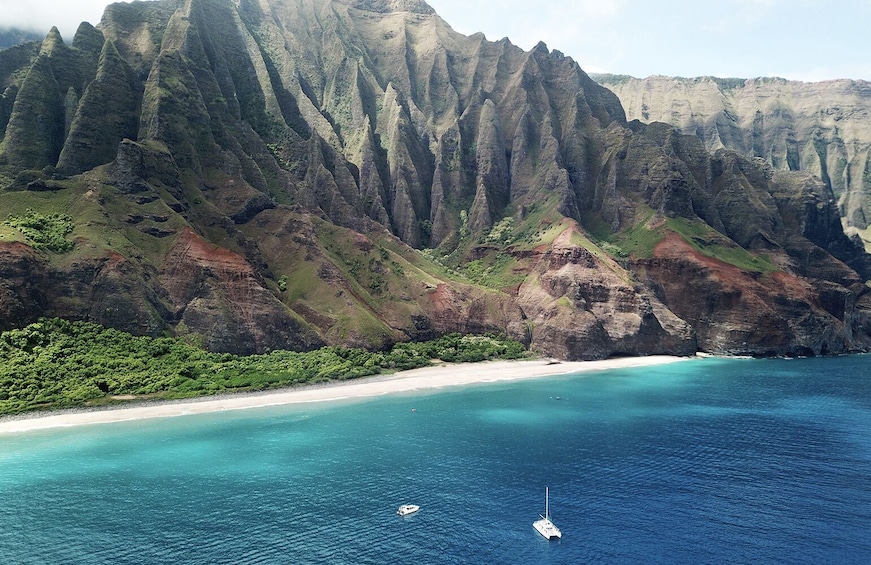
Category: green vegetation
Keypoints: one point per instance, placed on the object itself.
(55, 363)
(502, 232)
(641, 239)
(606, 79)
(709, 242)
(495, 271)
(44, 231)
(613, 250)
(501, 265)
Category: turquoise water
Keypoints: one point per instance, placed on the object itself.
(702, 461)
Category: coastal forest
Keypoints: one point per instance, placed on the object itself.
(55, 363)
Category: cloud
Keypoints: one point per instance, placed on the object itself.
(41, 15)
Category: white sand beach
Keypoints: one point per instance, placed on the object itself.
(437, 376)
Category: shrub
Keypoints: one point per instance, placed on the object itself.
(44, 231)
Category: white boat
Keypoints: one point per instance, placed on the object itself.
(407, 509)
(544, 526)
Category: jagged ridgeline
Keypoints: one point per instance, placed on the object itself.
(284, 174)
(820, 127)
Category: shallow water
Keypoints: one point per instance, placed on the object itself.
(705, 461)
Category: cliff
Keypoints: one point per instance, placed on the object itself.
(276, 174)
(823, 128)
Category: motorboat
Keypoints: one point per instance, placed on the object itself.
(407, 509)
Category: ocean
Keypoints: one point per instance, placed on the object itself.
(701, 461)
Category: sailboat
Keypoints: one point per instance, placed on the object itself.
(544, 526)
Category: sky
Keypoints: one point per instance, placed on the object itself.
(808, 40)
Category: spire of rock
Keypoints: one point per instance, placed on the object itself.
(34, 136)
(106, 114)
(52, 42)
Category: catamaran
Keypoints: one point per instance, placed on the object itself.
(544, 526)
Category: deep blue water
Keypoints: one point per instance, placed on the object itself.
(702, 461)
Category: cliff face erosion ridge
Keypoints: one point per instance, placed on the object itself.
(823, 128)
(293, 173)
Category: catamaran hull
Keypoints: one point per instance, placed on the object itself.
(547, 529)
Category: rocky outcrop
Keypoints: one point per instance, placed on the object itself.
(822, 128)
(292, 173)
(736, 312)
(23, 292)
(586, 307)
(203, 281)
(108, 290)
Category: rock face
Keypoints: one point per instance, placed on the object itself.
(205, 281)
(823, 128)
(265, 174)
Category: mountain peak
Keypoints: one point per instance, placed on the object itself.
(52, 42)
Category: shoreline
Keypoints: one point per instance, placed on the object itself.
(425, 378)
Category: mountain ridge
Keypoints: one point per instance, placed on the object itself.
(813, 126)
(280, 174)
(15, 36)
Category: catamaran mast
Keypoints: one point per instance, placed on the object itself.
(546, 503)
